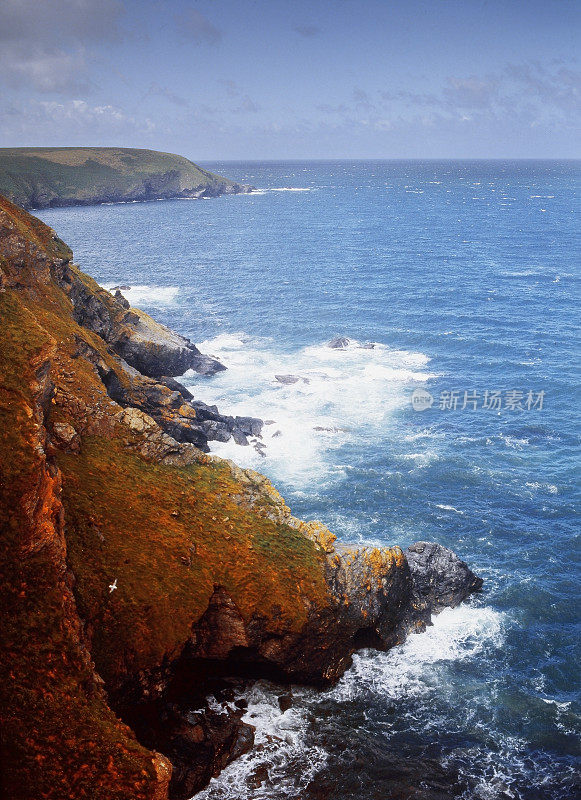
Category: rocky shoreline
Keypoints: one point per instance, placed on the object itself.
(148, 192)
(141, 567)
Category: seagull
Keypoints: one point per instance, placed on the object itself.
(113, 586)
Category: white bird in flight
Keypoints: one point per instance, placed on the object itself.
(113, 586)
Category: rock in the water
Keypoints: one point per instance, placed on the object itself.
(339, 343)
(287, 379)
(251, 426)
(285, 702)
(439, 577)
(239, 437)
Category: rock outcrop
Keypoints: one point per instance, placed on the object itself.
(440, 579)
(149, 347)
(137, 567)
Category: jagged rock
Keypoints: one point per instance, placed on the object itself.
(239, 437)
(440, 578)
(145, 344)
(201, 743)
(219, 431)
(251, 426)
(156, 351)
(287, 379)
(176, 386)
(123, 302)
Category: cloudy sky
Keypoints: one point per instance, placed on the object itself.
(268, 79)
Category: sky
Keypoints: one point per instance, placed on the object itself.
(294, 79)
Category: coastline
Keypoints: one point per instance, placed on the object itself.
(92, 437)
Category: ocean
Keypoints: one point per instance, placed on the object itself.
(456, 282)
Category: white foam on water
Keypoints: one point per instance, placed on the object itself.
(449, 508)
(337, 396)
(280, 764)
(145, 295)
(415, 668)
(292, 189)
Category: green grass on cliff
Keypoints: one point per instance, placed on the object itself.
(43, 176)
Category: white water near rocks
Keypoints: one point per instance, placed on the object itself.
(288, 755)
(337, 396)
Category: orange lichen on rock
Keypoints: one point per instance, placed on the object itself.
(59, 738)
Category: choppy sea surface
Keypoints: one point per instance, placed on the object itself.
(465, 277)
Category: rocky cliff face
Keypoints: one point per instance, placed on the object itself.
(137, 566)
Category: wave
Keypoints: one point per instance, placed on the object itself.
(415, 667)
(256, 192)
(444, 507)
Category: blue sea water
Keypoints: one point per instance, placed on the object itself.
(465, 276)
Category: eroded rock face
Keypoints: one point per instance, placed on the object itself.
(201, 742)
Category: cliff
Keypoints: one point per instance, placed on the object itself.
(39, 177)
(135, 566)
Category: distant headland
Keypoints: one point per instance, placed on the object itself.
(46, 177)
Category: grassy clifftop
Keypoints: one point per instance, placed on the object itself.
(38, 177)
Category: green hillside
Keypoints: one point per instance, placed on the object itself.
(40, 177)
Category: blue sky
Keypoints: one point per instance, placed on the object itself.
(269, 79)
